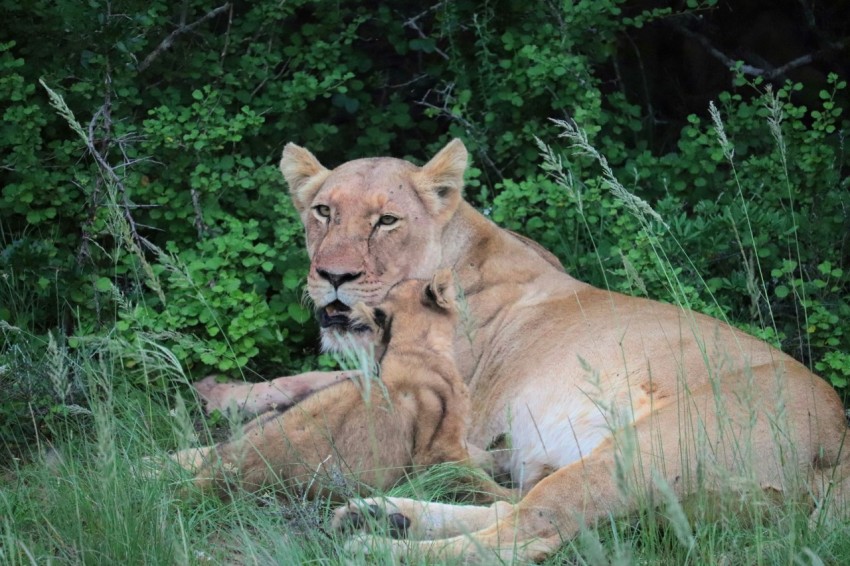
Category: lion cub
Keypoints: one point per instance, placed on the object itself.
(379, 429)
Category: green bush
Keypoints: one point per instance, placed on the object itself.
(163, 219)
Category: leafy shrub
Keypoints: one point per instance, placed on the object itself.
(162, 217)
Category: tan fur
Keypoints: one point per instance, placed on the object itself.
(379, 429)
(578, 383)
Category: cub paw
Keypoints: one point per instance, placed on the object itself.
(224, 396)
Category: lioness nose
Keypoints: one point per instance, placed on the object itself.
(337, 279)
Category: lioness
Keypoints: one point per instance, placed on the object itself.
(380, 429)
(572, 375)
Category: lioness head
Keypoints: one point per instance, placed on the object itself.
(423, 312)
(370, 223)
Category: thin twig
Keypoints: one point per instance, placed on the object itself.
(184, 12)
(102, 115)
(284, 68)
(415, 79)
(200, 225)
(412, 24)
(650, 111)
(227, 35)
(808, 15)
(166, 43)
(102, 120)
(470, 128)
(424, 13)
(83, 253)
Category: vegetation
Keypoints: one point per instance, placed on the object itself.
(146, 238)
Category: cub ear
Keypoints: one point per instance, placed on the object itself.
(303, 173)
(440, 181)
(441, 290)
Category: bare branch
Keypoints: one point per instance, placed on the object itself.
(768, 73)
(715, 52)
(804, 60)
(166, 43)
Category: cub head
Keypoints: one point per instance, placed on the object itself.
(370, 224)
(423, 312)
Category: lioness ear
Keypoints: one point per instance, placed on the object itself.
(441, 290)
(303, 173)
(440, 181)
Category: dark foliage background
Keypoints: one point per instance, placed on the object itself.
(161, 229)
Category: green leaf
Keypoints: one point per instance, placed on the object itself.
(298, 313)
(291, 279)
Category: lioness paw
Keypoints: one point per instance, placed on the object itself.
(371, 515)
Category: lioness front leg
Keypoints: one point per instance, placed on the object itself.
(422, 520)
(552, 512)
(256, 398)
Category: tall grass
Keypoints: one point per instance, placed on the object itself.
(89, 496)
(81, 495)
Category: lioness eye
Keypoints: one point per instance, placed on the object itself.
(387, 220)
(322, 210)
